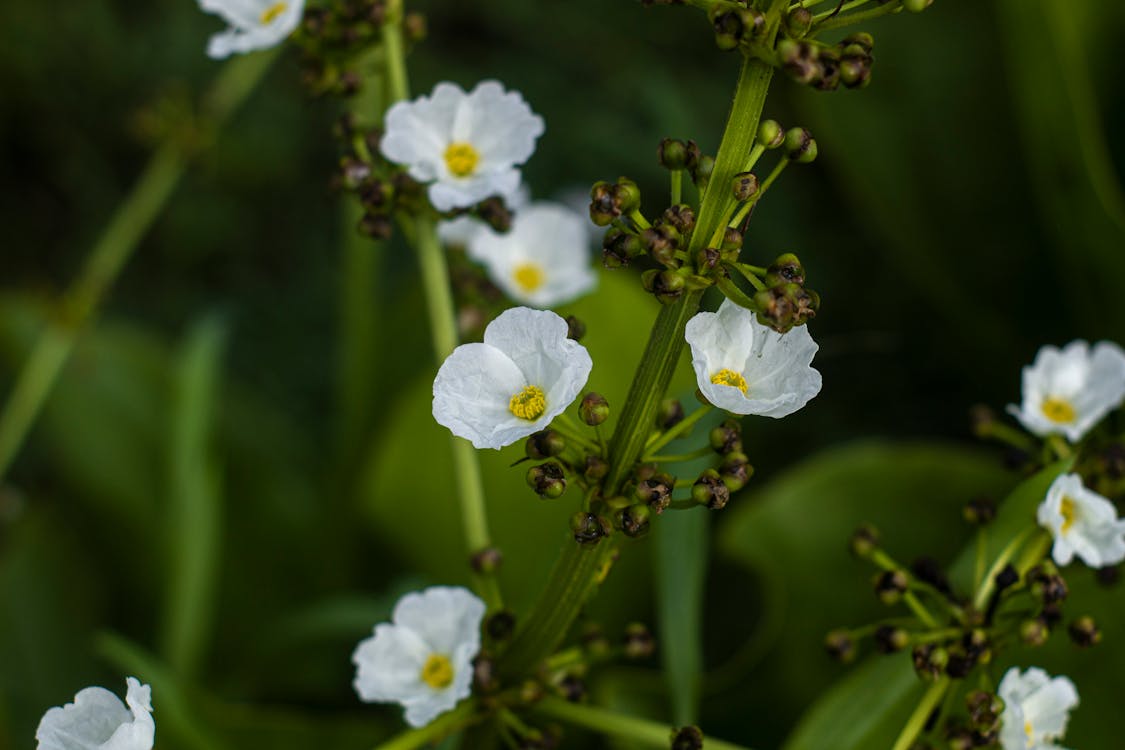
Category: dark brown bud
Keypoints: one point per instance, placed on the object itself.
(603, 208)
(727, 437)
(890, 585)
(487, 560)
(681, 216)
(710, 490)
(656, 491)
(572, 688)
(500, 626)
(745, 186)
(634, 520)
(840, 646)
(929, 661)
(548, 480)
(687, 738)
(889, 639)
(575, 328)
(588, 529)
(494, 212)
(1084, 632)
(661, 243)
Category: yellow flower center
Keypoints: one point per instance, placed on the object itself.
(461, 158)
(270, 14)
(1030, 732)
(1069, 511)
(1058, 410)
(528, 276)
(437, 672)
(729, 377)
(529, 404)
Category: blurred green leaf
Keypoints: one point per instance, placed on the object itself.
(680, 547)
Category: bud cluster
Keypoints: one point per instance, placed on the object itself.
(785, 301)
(824, 67)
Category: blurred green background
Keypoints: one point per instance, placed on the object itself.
(206, 505)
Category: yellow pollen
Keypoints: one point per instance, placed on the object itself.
(1069, 510)
(461, 158)
(1058, 410)
(529, 404)
(1030, 732)
(528, 276)
(729, 377)
(270, 14)
(437, 672)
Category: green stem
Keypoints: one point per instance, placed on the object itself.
(989, 581)
(464, 715)
(681, 427)
(649, 733)
(840, 21)
(852, 5)
(677, 186)
(466, 467)
(394, 53)
(114, 248)
(917, 720)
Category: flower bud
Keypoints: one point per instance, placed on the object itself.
(798, 22)
(862, 39)
(619, 247)
(376, 226)
(916, 6)
(889, 639)
(662, 242)
(864, 541)
(634, 520)
(1034, 632)
(602, 208)
(595, 468)
(732, 243)
(656, 491)
(890, 585)
(687, 738)
(799, 145)
(588, 529)
(770, 134)
(414, 27)
(929, 661)
(681, 216)
(710, 490)
(701, 175)
(639, 643)
(594, 641)
(855, 72)
(626, 196)
(494, 212)
(575, 328)
(669, 414)
(726, 437)
(544, 444)
(548, 480)
(668, 286)
(1046, 584)
(745, 186)
(840, 646)
(593, 409)
(786, 269)
(1084, 632)
(672, 153)
(979, 511)
(487, 560)
(735, 471)
(984, 710)
(960, 663)
(500, 626)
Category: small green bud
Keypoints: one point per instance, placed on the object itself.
(984, 709)
(744, 186)
(655, 491)
(862, 39)
(487, 560)
(798, 22)
(929, 661)
(575, 328)
(726, 437)
(701, 175)
(1084, 632)
(593, 409)
(890, 585)
(588, 529)
(916, 6)
(548, 480)
(626, 196)
(595, 468)
(669, 414)
(855, 72)
(889, 639)
(735, 471)
(639, 643)
(770, 134)
(710, 490)
(544, 444)
(668, 286)
(864, 541)
(672, 153)
(800, 146)
(786, 269)
(840, 646)
(707, 259)
(603, 208)
(732, 242)
(662, 242)
(681, 217)
(634, 520)
(1034, 632)
(687, 738)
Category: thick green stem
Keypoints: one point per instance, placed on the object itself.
(129, 224)
(462, 716)
(917, 720)
(645, 732)
(466, 468)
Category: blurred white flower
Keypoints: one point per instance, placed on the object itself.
(254, 24)
(524, 375)
(98, 720)
(460, 232)
(423, 659)
(1068, 391)
(747, 368)
(1036, 709)
(543, 260)
(1083, 523)
(465, 146)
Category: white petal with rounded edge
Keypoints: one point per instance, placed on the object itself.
(98, 720)
(1034, 699)
(472, 391)
(247, 33)
(389, 664)
(536, 341)
(443, 616)
(1095, 534)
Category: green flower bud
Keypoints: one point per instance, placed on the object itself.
(655, 491)
(889, 639)
(798, 22)
(1084, 632)
(681, 217)
(668, 286)
(662, 242)
(588, 529)
(984, 709)
(707, 259)
(890, 585)
(548, 480)
(701, 175)
(603, 209)
(1034, 632)
(626, 196)
(800, 146)
(735, 471)
(727, 437)
(595, 468)
(786, 269)
(593, 409)
(770, 134)
(544, 444)
(840, 646)
(672, 153)
(669, 414)
(687, 738)
(929, 661)
(710, 490)
(634, 520)
(639, 643)
(916, 6)
(855, 72)
(745, 186)
(864, 541)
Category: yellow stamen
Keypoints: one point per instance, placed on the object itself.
(729, 377)
(1069, 511)
(529, 404)
(529, 276)
(1058, 410)
(437, 672)
(270, 14)
(462, 159)
(1030, 732)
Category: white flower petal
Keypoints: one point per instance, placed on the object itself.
(776, 367)
(389, 664)
(98, 720)
(1082, 522)
(444, 616)
(1036, 709)
(472, 391)
(247, 32)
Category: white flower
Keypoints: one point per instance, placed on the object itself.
(254, 24)
(1069, 391)
(424, 659)
(98, 720)
(1083, 523)
(1035, 709)
(524, 375)
(465, 145)
(543, 260)
(747, 368)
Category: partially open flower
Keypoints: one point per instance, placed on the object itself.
(466, 146)
(423, 658)
(1083, 523)
(747, 368)
(1036, 709)
(543, 261)
(98, 720)
(524, 374)
(1068, 391)
(254, 24)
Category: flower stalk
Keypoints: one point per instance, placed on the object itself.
(647, 733)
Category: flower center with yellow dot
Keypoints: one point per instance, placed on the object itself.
(731, 378)
(1058, 410)
(529, 404)
(270, 14)
(1069, 511)
(529, 276)
(437, 672)
(461, 159)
